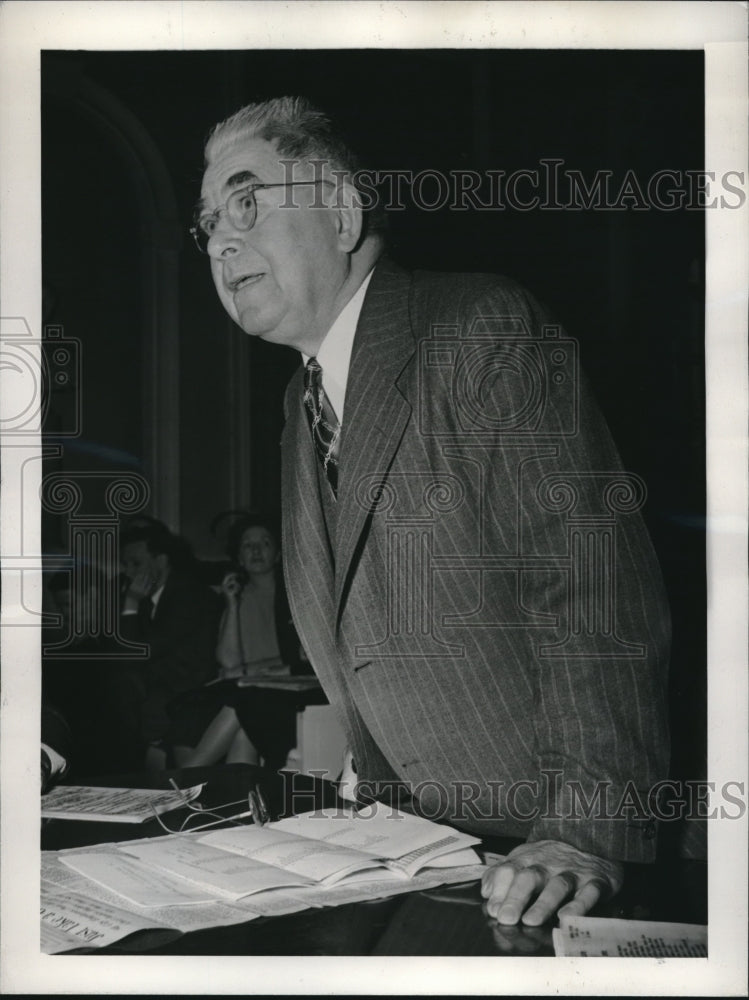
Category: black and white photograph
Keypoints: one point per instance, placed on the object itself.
(374, 504)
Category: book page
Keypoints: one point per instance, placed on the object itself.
(426, 856)
(223, 873)
(378, 830)
(330, 844)
(316, 860)
(135, 881)
(370, 886)
(456, 859)
(291, 683)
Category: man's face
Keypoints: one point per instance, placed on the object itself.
(139, 563)
(279, 280)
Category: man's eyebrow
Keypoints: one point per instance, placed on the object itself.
(241, 177)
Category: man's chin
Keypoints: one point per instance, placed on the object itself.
(271, 333)
(248, 323)
(260, 333)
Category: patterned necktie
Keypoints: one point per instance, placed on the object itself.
(326, 430)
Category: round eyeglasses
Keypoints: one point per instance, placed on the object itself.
(241, 208)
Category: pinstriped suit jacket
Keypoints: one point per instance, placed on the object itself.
(488, 620)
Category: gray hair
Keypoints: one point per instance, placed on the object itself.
(299, 130)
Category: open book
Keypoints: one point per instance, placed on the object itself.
(321, 848)
(77, 913)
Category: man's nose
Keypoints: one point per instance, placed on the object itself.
(226, 239)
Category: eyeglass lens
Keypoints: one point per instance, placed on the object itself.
(241, 208)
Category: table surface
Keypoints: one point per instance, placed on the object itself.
(445, 921)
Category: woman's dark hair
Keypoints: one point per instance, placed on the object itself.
(242, 524)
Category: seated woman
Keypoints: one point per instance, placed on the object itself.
(256, 637)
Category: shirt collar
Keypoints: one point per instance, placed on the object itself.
(334, 356)
(156, 597)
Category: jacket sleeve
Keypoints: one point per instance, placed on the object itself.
(600, 725)
(598, 676)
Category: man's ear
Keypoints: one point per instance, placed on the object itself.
(348, 215)
(162, 561)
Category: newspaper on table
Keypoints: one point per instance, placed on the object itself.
(612, 938)
(184, 882)
(74, 920)
(114, 805)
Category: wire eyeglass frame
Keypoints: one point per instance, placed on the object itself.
(241, 207)
(255, 801)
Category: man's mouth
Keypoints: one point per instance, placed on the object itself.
(243, 281)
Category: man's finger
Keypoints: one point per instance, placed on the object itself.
(586, 898)
(496, 882)
(524, 886)
(557, 889)
(518, 940)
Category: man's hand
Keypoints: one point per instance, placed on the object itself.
(142, 585)
(553, 877)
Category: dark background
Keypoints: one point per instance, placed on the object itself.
(628, 285)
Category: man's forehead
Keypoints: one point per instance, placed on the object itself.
(245, 161)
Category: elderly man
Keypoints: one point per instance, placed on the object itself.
(466, 567)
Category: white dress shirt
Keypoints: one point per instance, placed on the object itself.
(334, 356)
(57, 763)
(155, 598)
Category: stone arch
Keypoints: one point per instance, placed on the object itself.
(65, 83)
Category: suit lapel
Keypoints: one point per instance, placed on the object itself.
(376, 411)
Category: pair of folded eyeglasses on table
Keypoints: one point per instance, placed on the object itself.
(256, 811)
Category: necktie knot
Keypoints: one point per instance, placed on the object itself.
(324, 424)
(312, 373)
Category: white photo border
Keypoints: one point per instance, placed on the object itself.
(27, 28)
